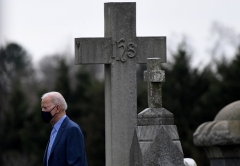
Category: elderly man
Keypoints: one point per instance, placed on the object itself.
(66, 142)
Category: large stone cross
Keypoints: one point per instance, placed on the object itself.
(120, 51)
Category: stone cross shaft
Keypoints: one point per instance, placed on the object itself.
(120, 51)
(154, 76)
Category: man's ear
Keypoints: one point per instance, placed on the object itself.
(58, 107)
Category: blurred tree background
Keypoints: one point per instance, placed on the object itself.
(192, 94)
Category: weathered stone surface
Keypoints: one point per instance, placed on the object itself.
(149, 47)
(155, 121)
(162, 151)
(154, 76)
(158, 137)
(155, 113)
(224, 130)
(229, 112)
(155, 116)
(120, 51)
(146, 133)
(218, 133)
(221, 137)
(93, 50)
(135, 152)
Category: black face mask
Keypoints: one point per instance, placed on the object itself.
(47, 116)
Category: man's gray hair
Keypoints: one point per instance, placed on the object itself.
(57, 98)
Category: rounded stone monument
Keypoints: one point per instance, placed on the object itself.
(221, 137)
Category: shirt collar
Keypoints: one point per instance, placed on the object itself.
(58, 124)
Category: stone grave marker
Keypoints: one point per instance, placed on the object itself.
(120, 51)
(220, 138)
(157, 135)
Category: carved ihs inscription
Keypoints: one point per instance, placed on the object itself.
(124, 50)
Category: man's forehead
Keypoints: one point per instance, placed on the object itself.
(47, 100)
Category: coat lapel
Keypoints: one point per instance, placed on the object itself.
(45, 154)
(59, 134)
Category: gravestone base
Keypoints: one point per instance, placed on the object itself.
(225, 162)
(223, 155)
(222, 151)
(158, 139)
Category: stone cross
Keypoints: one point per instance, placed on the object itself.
(120, 51)
(157, 136)
(154, 76)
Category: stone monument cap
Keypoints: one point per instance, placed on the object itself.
(155, 116)
(224, 130)
(155, 113)
(229, 112)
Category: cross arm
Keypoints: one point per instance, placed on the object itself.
(151, 47)
(93, 50)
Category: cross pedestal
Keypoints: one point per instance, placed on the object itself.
(120, 51)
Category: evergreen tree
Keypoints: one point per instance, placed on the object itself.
(226, 86)
(88, 111)
(62, 84)
(16, 75)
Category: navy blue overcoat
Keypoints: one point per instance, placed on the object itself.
(68, 147)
